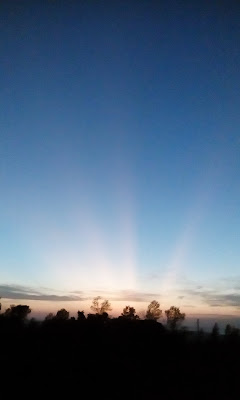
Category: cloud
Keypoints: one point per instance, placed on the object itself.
(216, 297)
(18, 292)
(189, 306)
(221, 292)
(132, 295)
(222, 300)
(127, 295)
(77, 292)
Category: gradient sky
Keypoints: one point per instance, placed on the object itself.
(119, 154)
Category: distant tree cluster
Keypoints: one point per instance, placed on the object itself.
(17, 312)
(62, 315)
(231, 331)
(129, 313)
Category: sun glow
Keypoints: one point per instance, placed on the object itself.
(85, 258)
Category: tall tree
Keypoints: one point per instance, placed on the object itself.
(153, 311)
(228, 330)
(215, 331)
(100, 307)
(174, 317)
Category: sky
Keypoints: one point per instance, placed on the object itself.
(119, 154)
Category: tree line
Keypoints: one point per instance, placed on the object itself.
(134, 355)
(100, 308)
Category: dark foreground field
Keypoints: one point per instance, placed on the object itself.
(115, 359)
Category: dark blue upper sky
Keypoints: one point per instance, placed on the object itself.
(119, 138)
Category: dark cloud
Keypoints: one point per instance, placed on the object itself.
(216, 297)
(17, 292)
(222, 300)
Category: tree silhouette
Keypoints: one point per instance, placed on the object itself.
(153, 311)
(18, 312)
(104, 316)
(49, 317)
(215, 331)
(100, 308)
(62, 315)
(129, 313)
(230, 330)
(174, 317)
(0, 305)
(81, 316)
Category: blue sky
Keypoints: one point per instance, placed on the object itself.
(119, 151)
